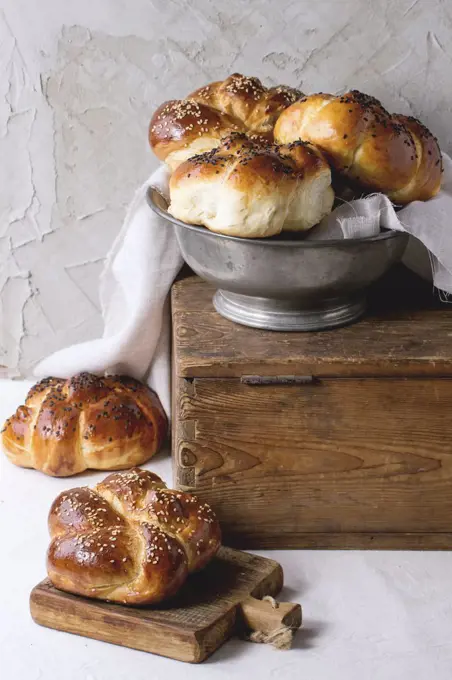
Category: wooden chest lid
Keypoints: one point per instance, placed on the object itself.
(406, 332)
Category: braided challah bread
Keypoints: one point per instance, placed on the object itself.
(374, 150)
(67, 426)
(130, 540)
(250, 190)
(182, 128)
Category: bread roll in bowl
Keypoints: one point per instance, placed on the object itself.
(251, 190)
(248, 101)
(372, 149)
(182, 128)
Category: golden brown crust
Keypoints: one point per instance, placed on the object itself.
(252, 190)
(129, 540)
(247, 100)
(365, 144)
(427, 181)
(179, 514)
(182, 128)
(179, 124)
(245, 163)
(67, 426)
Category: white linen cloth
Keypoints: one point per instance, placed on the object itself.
(430, 222)
(139, 270)
(145, 259)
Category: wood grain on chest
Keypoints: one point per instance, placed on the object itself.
(390, 340)
(355, 452)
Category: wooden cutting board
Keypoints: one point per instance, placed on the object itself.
(223, 599)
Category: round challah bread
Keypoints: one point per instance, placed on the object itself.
(130, 540)
(182, 128)
(374, 150)
(67, 426)
(248, 189)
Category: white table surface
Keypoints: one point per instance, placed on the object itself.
(367, 615)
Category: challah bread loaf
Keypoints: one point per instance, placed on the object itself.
(67, 426)
(130, 540)
(182, 128)
(372, 149)
(250, 190)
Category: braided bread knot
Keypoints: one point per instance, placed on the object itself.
(130, 539)
(366, 145)
(67, 426)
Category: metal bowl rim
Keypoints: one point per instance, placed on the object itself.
(203, 231)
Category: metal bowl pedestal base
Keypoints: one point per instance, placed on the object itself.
(289, 315)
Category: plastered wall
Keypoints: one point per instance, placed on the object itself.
(79, 81)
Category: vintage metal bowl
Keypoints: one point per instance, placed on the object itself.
(285, 283)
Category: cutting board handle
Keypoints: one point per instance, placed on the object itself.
(270, 621)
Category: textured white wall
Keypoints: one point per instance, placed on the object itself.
(79, 81)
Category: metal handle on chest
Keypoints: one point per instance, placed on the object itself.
(262, 380)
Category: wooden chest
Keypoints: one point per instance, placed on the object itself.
(339, 439)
